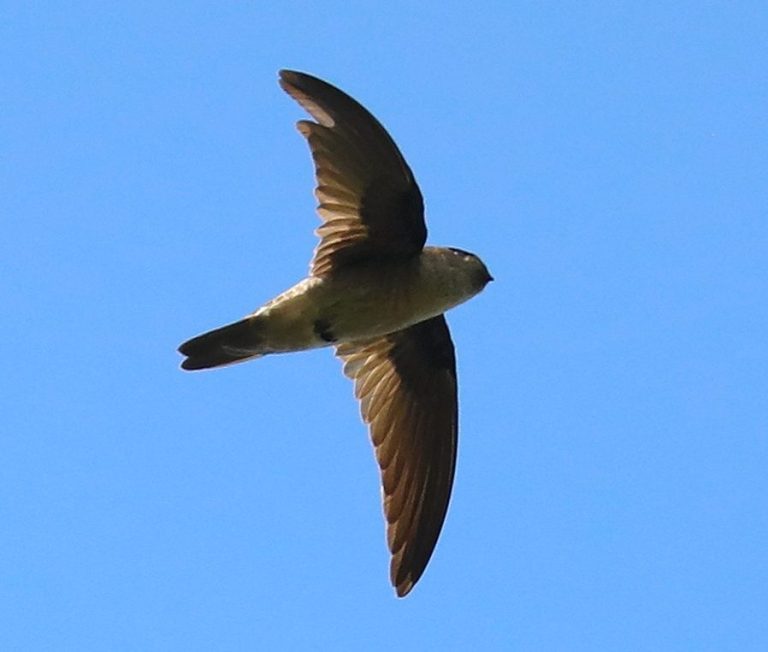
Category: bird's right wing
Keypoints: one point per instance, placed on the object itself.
(406, 383)
(369, 202)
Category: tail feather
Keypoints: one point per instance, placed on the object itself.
(235, 342)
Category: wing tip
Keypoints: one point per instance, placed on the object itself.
(402, 577)
(310, 92)
(288, 78)
(404, 588)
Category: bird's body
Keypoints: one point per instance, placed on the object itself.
(378, 295)
(367, 300)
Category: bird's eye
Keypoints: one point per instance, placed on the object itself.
(461, 252)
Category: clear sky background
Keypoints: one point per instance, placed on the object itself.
(609, 162)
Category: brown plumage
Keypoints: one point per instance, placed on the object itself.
(378, 295)
(406, 383)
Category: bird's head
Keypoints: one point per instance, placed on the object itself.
(477, 271)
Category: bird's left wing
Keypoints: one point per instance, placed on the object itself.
(368, 200)
(406, 383)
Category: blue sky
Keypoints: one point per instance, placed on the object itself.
(608, 160)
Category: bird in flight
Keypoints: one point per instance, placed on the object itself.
(376, 294)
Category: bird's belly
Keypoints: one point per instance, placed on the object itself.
(290, 320)
(366, 302)
(377, 307)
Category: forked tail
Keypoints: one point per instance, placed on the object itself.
(235, 342)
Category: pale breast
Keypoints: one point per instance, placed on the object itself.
(365, 300)
(381, 298)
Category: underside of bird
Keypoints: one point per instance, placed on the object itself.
(377, 295)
